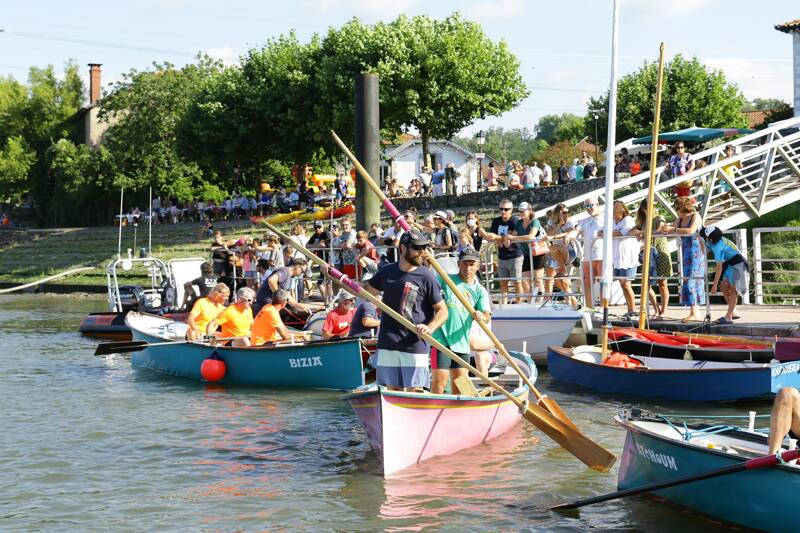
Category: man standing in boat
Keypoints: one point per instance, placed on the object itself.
(454, 333)
(402, 356)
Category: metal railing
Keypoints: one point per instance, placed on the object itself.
(767, 180)
(776, 276)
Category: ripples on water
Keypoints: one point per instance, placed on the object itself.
(90, 444)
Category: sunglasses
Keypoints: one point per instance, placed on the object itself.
(589, 206)
(418, 248)
(506, 208)
(565, 212)
(680, 146)
(248, 300)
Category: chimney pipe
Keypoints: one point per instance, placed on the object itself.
(94, 82)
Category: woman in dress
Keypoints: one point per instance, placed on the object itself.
(660, 260)
(693, 292)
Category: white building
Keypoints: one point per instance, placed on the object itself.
(404, 162)
(793, 29)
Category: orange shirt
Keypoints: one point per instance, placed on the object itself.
(204, 311)
(234, 322)
(265, 326)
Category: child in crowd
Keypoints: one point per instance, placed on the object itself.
(732, 273)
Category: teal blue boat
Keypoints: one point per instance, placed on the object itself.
(335, 364)
(658, 449)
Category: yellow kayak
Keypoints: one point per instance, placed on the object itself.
(284, 217)
(314, 214)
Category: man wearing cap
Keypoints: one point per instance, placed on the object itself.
(508, 253)
(402, 356)
(454, 333)
(283, 278)
(337, 323)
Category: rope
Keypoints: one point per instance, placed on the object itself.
(45, 280)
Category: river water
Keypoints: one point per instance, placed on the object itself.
(89, 444)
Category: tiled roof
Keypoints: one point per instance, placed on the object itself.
(756, 118)
(788, 27)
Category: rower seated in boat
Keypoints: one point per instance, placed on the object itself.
(268, 326)
(337, 323)
(205, 310)
(785, 417)
(236, 320)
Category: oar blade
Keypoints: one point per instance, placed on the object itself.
(572, 440)
(555, 409)
(120, 347)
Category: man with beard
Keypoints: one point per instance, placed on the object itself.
(401, 359)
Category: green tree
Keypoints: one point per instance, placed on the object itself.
(436, 76)
(505, 145)
(556, 128)
(764, 104)
(693, 94)
(143, 110)
(16, 161)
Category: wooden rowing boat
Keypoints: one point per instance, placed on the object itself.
(335, 364)
(674, 379)
(658, 449)
(406, 428)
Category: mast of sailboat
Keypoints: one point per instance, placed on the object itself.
(121, 214)
(150, 224)
(651, 208)
(608, 226)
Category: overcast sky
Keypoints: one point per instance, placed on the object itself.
(564, 46)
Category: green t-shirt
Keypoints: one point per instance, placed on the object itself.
(454, 333)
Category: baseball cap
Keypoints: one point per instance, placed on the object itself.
(318, 224)
(415, 237)
(524, 206)
(440, 214)
(343, 295)
(469, 254)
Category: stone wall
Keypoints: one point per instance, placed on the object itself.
(538, 198)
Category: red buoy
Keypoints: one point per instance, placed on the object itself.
(213, 368)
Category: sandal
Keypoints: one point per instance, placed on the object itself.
(722, 321)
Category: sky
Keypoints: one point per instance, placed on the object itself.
(563, 46)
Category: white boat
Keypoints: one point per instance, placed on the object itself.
(538, 325)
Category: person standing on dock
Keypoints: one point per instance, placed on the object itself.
(402, 356)
(508, 253)
(454, 333)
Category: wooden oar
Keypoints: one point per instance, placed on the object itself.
(548, 403)
(571, 440)
(751, 464)
(137, 346)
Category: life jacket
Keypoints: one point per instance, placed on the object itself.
(621, 360)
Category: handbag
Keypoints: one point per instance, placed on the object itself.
(540, 248)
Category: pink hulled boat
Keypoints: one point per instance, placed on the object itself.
(406, 428)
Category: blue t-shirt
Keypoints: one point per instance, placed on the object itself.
(502, 228)
(437, 177)
(364, 309)
(413, 295)
(722, 250)
(264, 294)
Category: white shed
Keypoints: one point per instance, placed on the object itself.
(404, 162)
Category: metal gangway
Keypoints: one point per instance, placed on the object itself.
(769, 178)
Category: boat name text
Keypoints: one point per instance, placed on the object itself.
(303, 362)
(791, 368)
(667, 461)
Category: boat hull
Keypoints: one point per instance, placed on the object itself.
(406, 428)
(539, 327)
(696, 381)
(760, 499)
(111, 326)
(315, 365)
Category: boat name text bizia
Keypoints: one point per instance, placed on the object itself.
(303, 362)
(667, 461)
